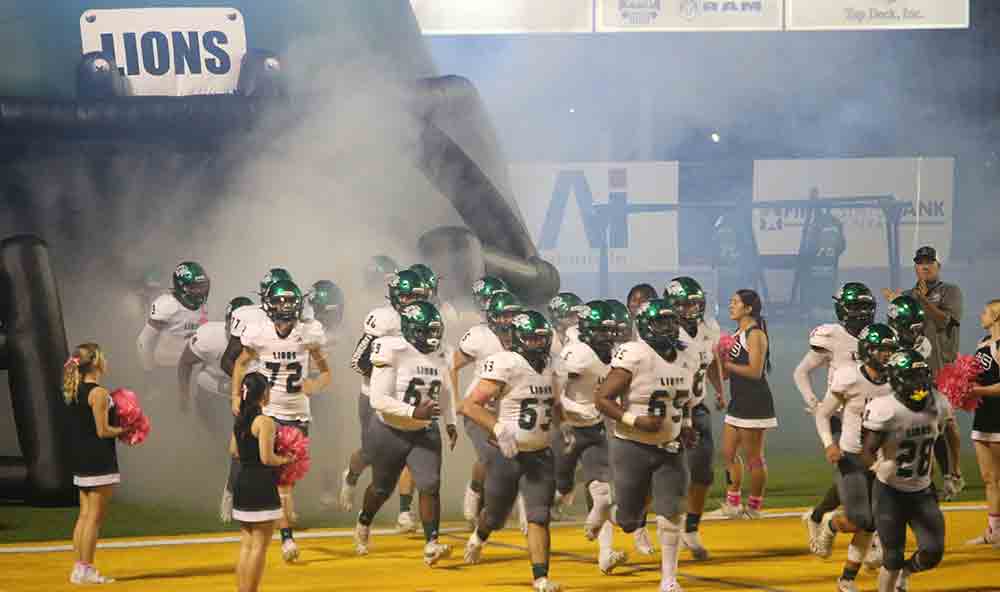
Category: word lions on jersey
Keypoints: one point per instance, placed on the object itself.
(209, 343)
(578, 358)
(285, 363)
(527, 398)
(658, 388)
(180, 324)
(855, 391)
(907, 455)
(402, 377)
(702, 348)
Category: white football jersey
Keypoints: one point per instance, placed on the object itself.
(559, 341)
(702, 348)
(181, 323)
(658, 388)
(417, 375)
(527, 398)
(834, 343)
(380, 322)
(244, 317)
(209, 343)
(907, 454)
(856, 391)
(578, 358)
(285, 363)
(479, 343)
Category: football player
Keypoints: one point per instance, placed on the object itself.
(246, 316)
(408, 391)
(284, 347)
(523, 382)
(902, 429)
(479, 343)
(404, 288)
(483, 289)
(623, 319)
(562, 315)
(174, 317)
(853, 387)
(700, 337)
(585, 363)
(653, 381)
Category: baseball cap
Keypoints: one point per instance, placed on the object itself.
(925, 253)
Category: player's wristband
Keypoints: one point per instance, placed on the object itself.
(628, 419)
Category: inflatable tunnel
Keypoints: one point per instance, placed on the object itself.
(148, 84)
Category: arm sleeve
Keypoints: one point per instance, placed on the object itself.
(361, 358)
(146, 344)
(824, 412)
(811, 361)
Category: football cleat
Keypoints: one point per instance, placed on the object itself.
(643, 545)
(470, 506)
(546, 585)
(822, 545)
(987, 538)
(692, 542)
(289, 550)
(473, 549)
(226, 506)
(88, 575)
(362, 537)
(811, 527)
(873, 558)
(346, 492)
(434, 552)
(607, 562)
(846, 586)
(673, 586)
(405, 522)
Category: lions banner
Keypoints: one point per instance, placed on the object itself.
(926, 184)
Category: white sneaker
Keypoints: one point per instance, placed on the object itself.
(522, 515)
(289, 550)
(405, 522)
(470, 506)
(346, 492)
(822, 545)
(546, 585)
(435, 551)
(751, 514)
(903, 582)
(90, 575)
(226, 506)
(607, 562)
(846, 585)
(473, 549)
(643, 546)
(873, 558)
(987, 538)
(77, 574)
(362, 536)
(673, 586)
(811, 527)
(692, 542)
(730, 511)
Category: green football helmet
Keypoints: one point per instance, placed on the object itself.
(484, 287)
(421, 326)
(855, 306)
(238, 302)
(191, 284)
(327, 302)
(283, 301)
(659, 326)
(406, 287)
(910, 377)
(531, 336)
(500, 312)
(598, 328)
(874, 339)
(430, 278)
(623, 319)
(906, 316)
(273, 275)
(687, 299)
(378, 271)
(561, 310)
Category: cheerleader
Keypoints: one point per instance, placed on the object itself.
(986, 425)
(256, 504)
(91, 420)
(751, 407)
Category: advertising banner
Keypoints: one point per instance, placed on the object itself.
(835, 15)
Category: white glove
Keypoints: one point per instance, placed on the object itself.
(506, 439)
(568, 437)
(953, 485)
(811, 406)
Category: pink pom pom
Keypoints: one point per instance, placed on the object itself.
(292, 442)
(956, 380)
(130, 417)
(725, 345)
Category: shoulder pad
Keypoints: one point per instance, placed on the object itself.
(629, 356)
(384, 350)
(844, 378)
(164, 307)
(879, 413)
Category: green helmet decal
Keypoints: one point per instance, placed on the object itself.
(561, 311)
(378, 271)
(484, 287)
(910, 377)
(906, 316)
(598, 328)
(406, 287)
(238, 302)
(531, 336)
(624, 320)
(191, 284)
(421, 326)
(430, 278)
(283, 301)
(855, 306)
(659, 326)
(873, 338)
(327, 302)
(500, 309)
(686, 297)
(273, 275)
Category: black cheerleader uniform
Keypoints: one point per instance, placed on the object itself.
(750, 402)
(255, 492)
(986, 425)
(95, 461)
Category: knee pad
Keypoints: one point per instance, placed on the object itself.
(925, 559)
(757, 463)
(493, 520)
(431, 488)
(702, 475)
(668, 525)
(893, 559)
(541, 516)
(862, 520)
(628, 524)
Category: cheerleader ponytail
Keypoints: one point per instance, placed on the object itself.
(252, 392)
(85, 359)
(752, 299)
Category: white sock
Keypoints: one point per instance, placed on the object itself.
(606, 537)
(887, 580)
(670, 534)
(600, 492)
